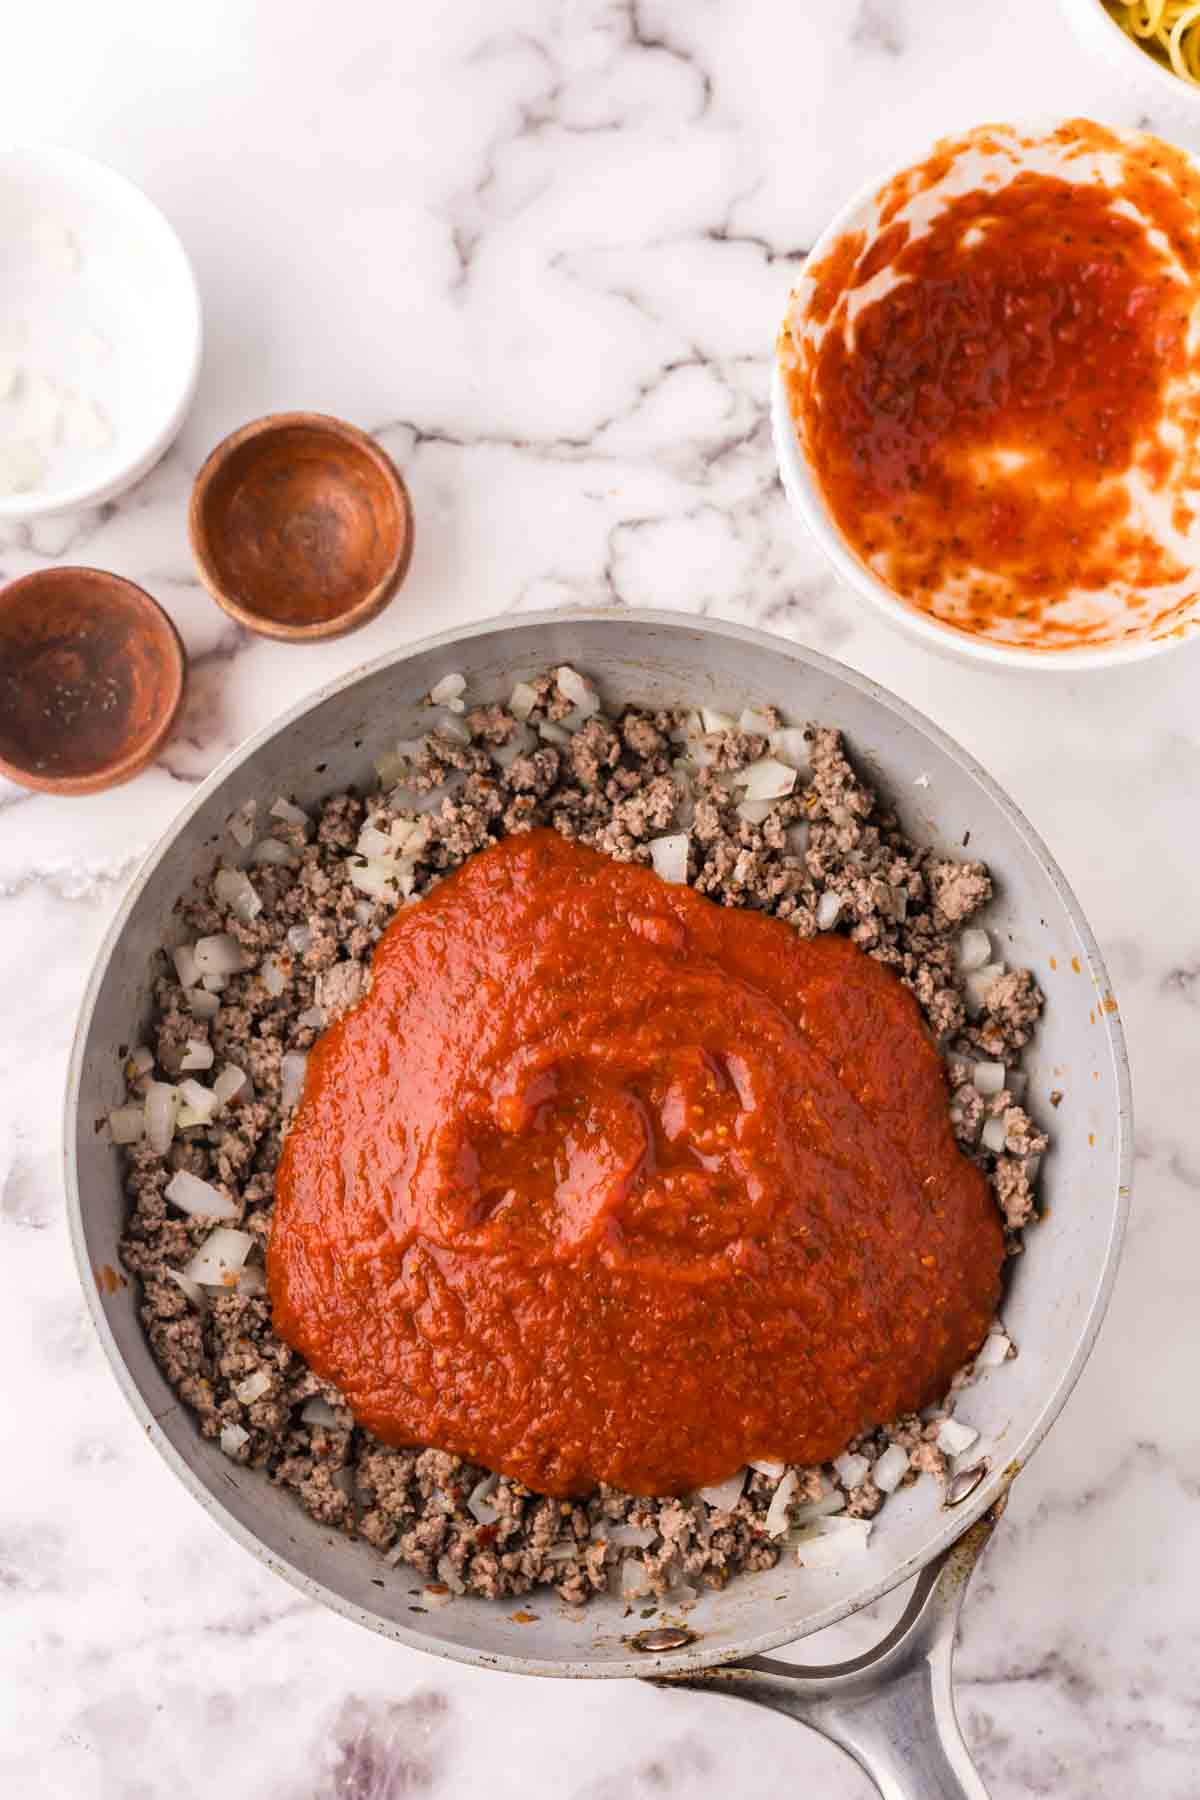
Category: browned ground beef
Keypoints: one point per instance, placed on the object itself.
(614, 783)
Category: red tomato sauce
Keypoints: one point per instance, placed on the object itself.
(973, 424)
(604, 1182)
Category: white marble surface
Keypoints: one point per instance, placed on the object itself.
(540, 246)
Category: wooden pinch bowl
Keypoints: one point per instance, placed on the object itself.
(91, 677)
(301, 526)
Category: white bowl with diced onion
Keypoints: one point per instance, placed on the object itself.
(100, 332)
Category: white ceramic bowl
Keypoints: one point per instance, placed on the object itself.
(804, 491)
(100, 331)
(1173, 104)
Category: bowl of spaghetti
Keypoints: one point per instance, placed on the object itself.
(986, 398)
(1155, 44)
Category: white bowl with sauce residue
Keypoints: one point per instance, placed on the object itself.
(100, 332)
(944, 469)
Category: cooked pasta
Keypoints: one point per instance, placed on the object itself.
(1168, 29)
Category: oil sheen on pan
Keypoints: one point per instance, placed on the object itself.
(594, 1152)
(996, 384)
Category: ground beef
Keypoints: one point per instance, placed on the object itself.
(614, 784)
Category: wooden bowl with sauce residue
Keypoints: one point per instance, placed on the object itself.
(301, 526)
(91, 677)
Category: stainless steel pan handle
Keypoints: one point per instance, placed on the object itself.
(892, 1708)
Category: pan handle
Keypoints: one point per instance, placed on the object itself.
(892, 1709)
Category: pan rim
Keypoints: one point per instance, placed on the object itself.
(696, 1656)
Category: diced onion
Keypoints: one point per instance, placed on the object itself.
(988, 1078)
(274, 976)
(184, 958)
(520, 743)
(126, 1124)
(796, 838)
(823, 1508)
(448, 692)
(477, 1500)
(219, 1260)
(953, 1438)
(380, 877)
(141, 1060)
(669, 856)
(318, 1411)
(162, 1104)
(200, 1199)
(979, 984)
(566, 1550)
(229, 1083)
(214, 984)
(994, 1351)
(767, 780)
(253, 1387)
(724, 1495)
(197, 1104)
(523, 700)
(633, 1577)
(234, 889)
(274, 853)
(826, 1543)
(851, 1469)
(202, 1004)
(829, 906)
(241, 823)
(553, 734)
(197, 1054)
(574, 688)
(778, 1514)
(191, 1289)
(752, 719)
(775, 1470)
(974, 949)
(628, 1537)
(450, 1575)
(219, 955)
(994, 1136)
(292, 815)
(890, 1469)
(252, 1280)
(313, 1019)
(299, 938)
(232, 1439)
(754, 811)
(291, 1077)
(453, 728)
(373, 842)
(789, 746)
(711, 720)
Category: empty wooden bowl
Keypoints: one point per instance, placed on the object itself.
(91, 676)
(301, 526)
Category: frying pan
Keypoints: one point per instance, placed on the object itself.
(892, 1709)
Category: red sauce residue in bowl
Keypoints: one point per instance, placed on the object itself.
(974, 429)
(603, 1181)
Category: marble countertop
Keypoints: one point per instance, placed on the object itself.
(540, 248)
